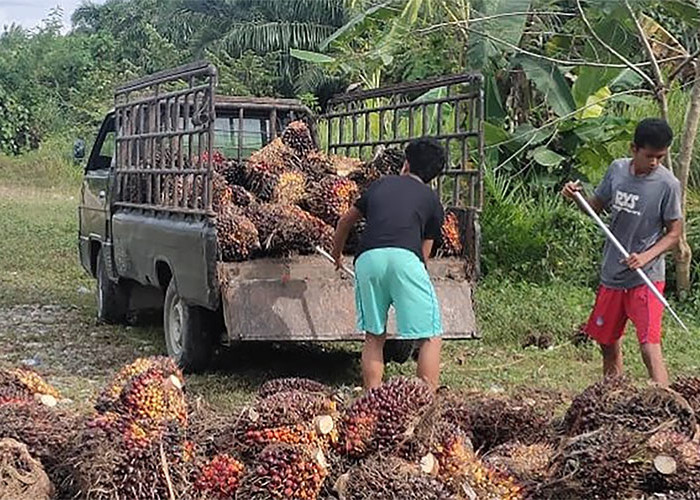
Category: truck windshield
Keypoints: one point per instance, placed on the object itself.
(254, 135)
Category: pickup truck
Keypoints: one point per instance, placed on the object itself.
(160, 249)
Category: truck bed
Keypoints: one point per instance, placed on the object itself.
(303, 298)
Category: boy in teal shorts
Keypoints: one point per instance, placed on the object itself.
(403, 219)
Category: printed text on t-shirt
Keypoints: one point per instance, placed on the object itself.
(627, 202)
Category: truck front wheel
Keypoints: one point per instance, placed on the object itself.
(186, 339)
(112, 297)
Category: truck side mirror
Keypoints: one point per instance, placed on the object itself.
(78, 150)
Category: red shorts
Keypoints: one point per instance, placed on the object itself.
(614, 306)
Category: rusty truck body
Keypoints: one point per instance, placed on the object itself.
(159, 249)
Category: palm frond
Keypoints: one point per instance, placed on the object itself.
(274, 36)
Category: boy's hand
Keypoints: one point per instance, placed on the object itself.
(570, 188)
(637, 260)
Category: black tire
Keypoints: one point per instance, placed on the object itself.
(186, 337)
(398, 351)
(112, 297)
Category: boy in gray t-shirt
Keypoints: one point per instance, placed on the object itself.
(644, 201)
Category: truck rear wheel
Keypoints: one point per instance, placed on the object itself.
(186, 338)
(398, 351)
(112, 297)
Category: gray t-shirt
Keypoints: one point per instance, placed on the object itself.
(640, 207)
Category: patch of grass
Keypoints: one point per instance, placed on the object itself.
(51, 166)
(39, 248)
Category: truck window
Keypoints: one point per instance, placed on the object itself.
(103, 149)
(255, 134)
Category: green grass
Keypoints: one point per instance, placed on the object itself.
(39, 265)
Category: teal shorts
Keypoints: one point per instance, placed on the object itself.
(386, 277)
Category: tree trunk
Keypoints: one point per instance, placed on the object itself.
(683, 253)
(663, 107)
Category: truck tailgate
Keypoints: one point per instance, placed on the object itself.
(304, 298)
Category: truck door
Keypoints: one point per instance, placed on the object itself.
(94, 198)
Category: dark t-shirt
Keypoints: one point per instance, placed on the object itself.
(401, 212)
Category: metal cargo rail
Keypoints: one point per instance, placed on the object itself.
(164, 125)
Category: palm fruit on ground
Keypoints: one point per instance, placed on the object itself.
(106, 466)
(527, 463)
(109, 397)
(671, 462)
(331, 198)
(689, 388)
(298, 137)
(451, 239)
(285, 472)
(290, 188)
(284, 229)
(22, 475)
(596, 465)
(24, 384)
(384, 416)
(237, 235)
(497, 419)
(48, 433)
(389, 478)
(220, 477)
(317, 165)
(618, 401)
(287, 408)
(277, 385)
(222, 195)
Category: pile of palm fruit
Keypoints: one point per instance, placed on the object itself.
(288, 197)
(299, 439)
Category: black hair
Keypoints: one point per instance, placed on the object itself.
(653, 133)
(426, 158)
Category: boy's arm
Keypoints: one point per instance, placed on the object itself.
(427, 250)
(342, 230)
(674, 228)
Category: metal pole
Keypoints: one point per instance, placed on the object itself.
(584, 204)
(329, 257)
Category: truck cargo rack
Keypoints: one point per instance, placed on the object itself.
(164, 124)
(448, 109)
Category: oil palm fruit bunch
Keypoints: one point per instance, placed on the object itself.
(364, 177)
(47, 432)
(277, 385)
(384, 416)
(497, 419)
(320, 433)
(316, 165)
(222, 195)
(671, 463)
(24, 384)
(285, 472)
(237, 235)
(220, 477)
(618, 401)
(287, 408)
(290, 188)
(529, 463)
(331, 198)
(689, 388)
(596, 465)
(284, 229)
(298, 137)
(389, 478)
(387, 161)
(235, 172)
(217, 159)
(278, 156)
(109, 398)
(451, 239)
(241, 197)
